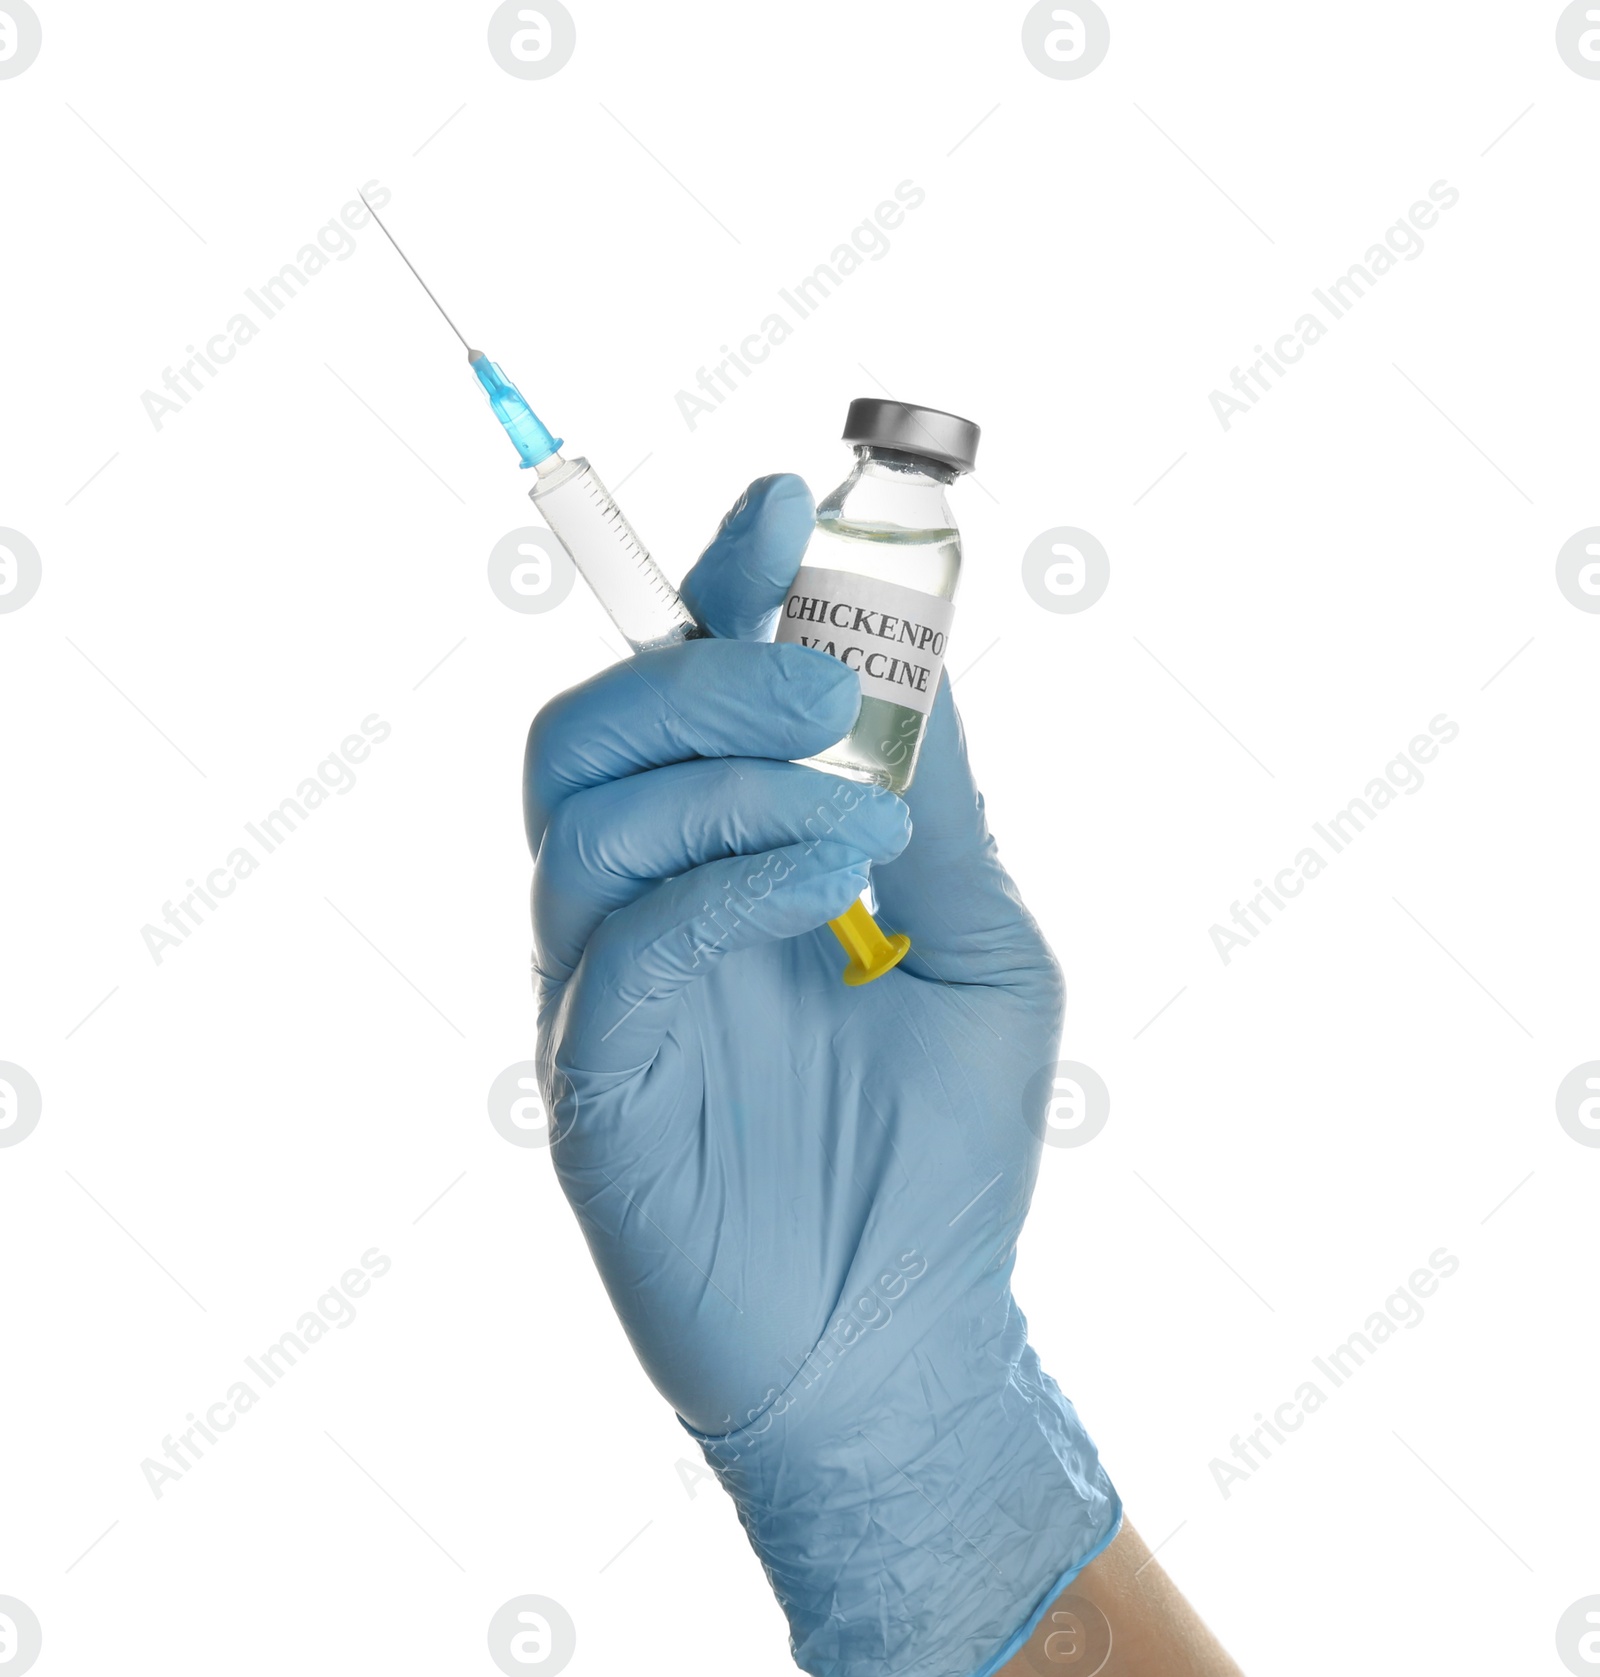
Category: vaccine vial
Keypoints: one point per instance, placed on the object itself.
(877, 586)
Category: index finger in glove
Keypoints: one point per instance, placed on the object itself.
(703, 698)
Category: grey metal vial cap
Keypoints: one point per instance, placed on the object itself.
(935, 435)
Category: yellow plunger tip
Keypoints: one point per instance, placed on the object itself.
(872, 951)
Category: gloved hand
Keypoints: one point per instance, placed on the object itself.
(805, 1199)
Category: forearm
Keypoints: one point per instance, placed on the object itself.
(1121, 1617)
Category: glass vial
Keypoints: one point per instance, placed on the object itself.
(877, 586)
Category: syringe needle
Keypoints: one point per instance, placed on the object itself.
(527, 433)
(415, 275)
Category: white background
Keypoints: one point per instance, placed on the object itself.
(1288, 606)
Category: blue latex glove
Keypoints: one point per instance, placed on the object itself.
(805, 1199)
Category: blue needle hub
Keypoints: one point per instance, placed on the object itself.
(524, 427)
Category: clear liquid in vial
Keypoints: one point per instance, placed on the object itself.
(883, 745)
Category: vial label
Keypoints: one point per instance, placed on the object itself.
(892, 637)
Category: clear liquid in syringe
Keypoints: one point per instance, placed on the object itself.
(610, 557)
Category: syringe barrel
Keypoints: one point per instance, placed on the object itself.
(610, 557)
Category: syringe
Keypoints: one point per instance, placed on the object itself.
(577, 506)
(626, 580)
